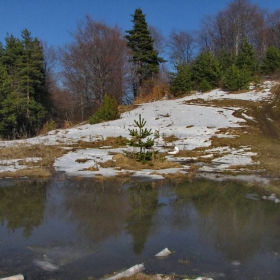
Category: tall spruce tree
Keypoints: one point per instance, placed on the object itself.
(24, 100)
(31, 68)
(144, 57)
(5, 82)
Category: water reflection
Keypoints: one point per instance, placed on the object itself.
(22, 206)
(143, 200)
(235, 225)
(88, 228)
(98, 209)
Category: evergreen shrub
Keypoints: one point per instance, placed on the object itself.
(107, 112)
(236, 79)
(49, 126)
(271, 62)
(204, 86)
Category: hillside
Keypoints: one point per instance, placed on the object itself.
(216, 133)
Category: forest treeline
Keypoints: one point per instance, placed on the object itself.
(42, 87)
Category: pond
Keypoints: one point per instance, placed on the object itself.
(80, 228)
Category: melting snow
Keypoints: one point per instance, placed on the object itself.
(193, 125)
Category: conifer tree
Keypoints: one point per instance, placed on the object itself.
(107, 112)
(138, 139)
(225, 60)
(144, 57)
(32, 72)
(206, 71)
(5, 82)
(271, 62)
(235, 78)
(180, 81)
(24, 100)
(246, 58)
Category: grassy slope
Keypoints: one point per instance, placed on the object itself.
(262, 134)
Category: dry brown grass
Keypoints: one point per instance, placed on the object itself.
(127, 108)
(267, 149)
(197, 155)
(36, 172)
(114, 142)
(46, 152)
(107, 164)
(156, 93)
(124, 162)
(82, 160)
(178, 176)
(40, 168)
(91, 168)
(227, 103)
(170, 138)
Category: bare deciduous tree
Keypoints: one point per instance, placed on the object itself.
(240, 20)
(93, 65)
(160, 45)
(273, 24)
(159, 40)
(181, 45)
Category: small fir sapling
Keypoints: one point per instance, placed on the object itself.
(138, 139)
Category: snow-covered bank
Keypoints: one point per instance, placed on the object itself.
(193, 125)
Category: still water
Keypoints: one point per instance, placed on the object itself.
(75, 229)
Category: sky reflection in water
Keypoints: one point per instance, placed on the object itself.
(88, 228)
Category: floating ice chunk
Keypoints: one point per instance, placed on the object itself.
(200, 278)
(252, 196)
(129, 272)
(165, 252)
(46, 265)
(15, 277)
(236, 263)
(272, 197)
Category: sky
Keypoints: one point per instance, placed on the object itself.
(52, 21)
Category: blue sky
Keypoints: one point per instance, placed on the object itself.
(52, 20)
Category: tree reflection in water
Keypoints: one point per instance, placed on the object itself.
(98, 208)
(236, 226)
(208, 223)
(22, 206)
(143, 200)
